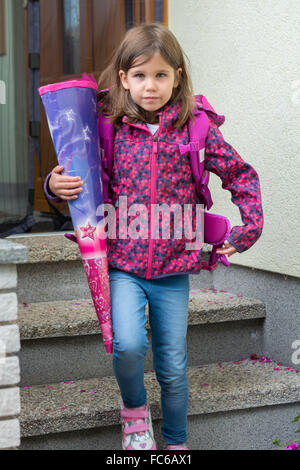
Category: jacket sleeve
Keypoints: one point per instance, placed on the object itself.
(242, 181)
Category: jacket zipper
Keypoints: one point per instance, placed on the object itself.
(152, 192)
(152, 197)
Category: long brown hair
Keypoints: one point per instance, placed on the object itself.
(146, 40)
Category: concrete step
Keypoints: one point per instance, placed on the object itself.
(48, 247)
(54, 415)
(62, 339)
(53, 247)
(55, 268)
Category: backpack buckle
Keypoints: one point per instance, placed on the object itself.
(190, 147)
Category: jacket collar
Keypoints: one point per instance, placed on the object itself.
(168, 114)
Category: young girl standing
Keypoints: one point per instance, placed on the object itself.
(150, 99)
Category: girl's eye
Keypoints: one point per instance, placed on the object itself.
(159, 75)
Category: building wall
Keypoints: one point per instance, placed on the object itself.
(10, 255)
(245, 60)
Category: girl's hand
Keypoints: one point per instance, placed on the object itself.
(226, 249)
(65, 187)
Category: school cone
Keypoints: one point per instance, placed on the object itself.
(71, 110)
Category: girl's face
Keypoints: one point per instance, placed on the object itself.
(150, 84)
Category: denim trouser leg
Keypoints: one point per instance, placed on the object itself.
(168, 307)
(168, 313)
(128, 301)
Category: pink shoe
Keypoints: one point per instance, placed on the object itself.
(137, 431)
(176, 447)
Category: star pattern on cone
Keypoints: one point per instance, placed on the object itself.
(88, 231)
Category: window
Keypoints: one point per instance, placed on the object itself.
(144, 11)
(71, 36)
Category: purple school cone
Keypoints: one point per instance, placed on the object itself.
(71, 110)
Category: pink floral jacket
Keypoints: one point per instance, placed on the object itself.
(149, 170)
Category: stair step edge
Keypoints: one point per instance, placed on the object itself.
(55, 248)
(94, 403)
(78, 317)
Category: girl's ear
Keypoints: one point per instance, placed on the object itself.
(177, 77)
(123, 78)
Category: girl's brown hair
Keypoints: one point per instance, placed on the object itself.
(145, 39)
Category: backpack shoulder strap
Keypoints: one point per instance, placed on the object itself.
(216, 228)
(106, 133)
(198, 130)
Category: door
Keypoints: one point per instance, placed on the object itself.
(79, 36)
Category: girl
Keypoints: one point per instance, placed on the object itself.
(149, 100)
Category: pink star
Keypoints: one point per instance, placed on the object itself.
(88, 231)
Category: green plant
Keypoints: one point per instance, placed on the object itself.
(290, 445)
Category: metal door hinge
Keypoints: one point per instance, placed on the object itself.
(34, 128)
(34, 61)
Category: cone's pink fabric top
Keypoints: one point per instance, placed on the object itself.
(67, 84)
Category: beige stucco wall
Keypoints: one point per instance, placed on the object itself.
(245, 59)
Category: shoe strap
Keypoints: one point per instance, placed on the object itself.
(135, 413)
(137, 427)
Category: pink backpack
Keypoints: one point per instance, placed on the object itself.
(216, 227)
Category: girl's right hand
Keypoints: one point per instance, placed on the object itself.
(65, 187)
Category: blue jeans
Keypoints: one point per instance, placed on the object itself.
(168, 299)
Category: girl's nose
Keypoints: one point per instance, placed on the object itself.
(150, 85)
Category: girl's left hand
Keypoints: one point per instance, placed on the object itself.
(226, 249)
